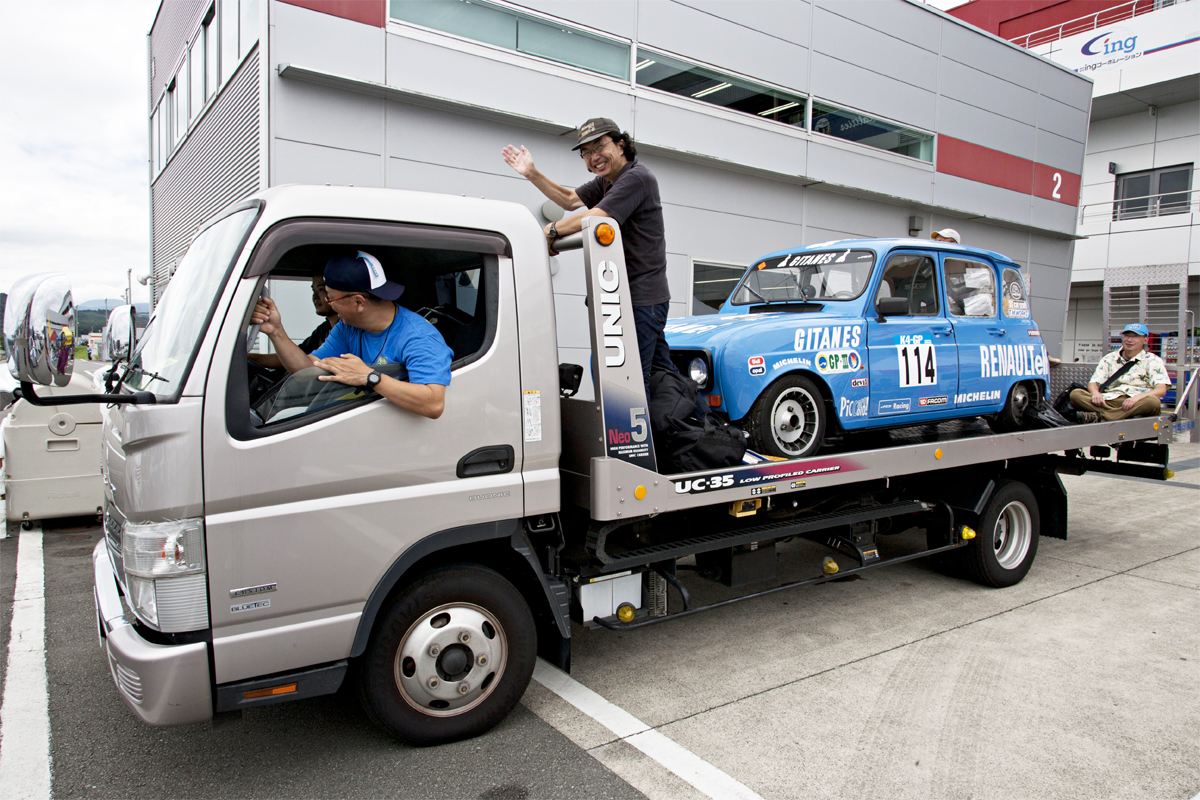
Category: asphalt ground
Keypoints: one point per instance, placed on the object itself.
(903, 682)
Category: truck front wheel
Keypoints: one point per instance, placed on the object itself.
(788, 419)
(451, 657)
(1006, 543)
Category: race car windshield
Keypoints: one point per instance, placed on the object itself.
(801, 277)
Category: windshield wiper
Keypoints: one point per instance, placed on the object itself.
(756, 294)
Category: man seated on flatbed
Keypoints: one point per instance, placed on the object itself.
(1137, 392)
(373, 331)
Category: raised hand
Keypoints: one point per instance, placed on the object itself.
(520, 160)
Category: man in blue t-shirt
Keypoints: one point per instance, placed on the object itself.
(373, 330)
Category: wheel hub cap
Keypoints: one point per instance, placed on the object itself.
(450, 659)
(793, 420)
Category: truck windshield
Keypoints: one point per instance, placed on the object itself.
(820, 276)
(165, 352)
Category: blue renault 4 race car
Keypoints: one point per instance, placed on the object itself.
(863, 334)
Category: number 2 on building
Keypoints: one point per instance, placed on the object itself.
(918, 365)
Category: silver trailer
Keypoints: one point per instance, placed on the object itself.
(259, 542)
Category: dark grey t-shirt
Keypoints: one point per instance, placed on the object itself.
(632, 200)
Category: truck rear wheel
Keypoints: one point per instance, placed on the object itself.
(1007, 539)
(788, 419)
(451, 657)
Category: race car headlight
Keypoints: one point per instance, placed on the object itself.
(698, 371)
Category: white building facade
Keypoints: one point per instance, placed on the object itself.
(768, 125)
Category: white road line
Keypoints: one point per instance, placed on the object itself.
(678, 759)
(24, 714)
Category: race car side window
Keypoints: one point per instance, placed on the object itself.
(970, 288)
(1014, 296)
(912, 276)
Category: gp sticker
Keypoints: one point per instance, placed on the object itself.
(758, 365)
(895, 406)
(853, 408)
(828, 337)
(838, 361)
(940, 400)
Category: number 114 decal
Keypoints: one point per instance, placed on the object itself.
(918, 364)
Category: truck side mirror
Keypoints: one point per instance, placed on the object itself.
(39, 329)
(892, 307)
(120, 334)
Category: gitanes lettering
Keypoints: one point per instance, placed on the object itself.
(828, 337)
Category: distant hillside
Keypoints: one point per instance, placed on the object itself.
(92, 305)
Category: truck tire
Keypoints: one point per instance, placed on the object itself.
(1006, 541)
(788, 418)
(1012, 416)
(451, 657)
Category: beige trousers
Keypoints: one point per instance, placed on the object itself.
(1111, 410)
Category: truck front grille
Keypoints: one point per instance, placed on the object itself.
(114, 523)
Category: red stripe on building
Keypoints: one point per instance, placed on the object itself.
(985, 165)
(368, 12)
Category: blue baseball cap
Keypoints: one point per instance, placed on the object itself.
(362, 274)
(1136, 327)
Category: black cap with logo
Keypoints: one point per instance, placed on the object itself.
(594, 128)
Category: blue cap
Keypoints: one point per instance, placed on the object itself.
(362, 274)
(1136, 327)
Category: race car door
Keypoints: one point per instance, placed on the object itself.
(913, 359)
(971, 302)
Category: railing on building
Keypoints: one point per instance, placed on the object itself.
(1142, 207)
(1091, 22)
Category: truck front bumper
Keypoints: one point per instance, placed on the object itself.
(163, 684)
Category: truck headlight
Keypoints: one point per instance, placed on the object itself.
(698, 371)
(165, 573)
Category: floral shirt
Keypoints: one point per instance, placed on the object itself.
(1148, 373)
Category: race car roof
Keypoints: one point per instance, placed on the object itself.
(881, 246)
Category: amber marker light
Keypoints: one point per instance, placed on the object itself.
(640, 493)
(968, 532)
(254, 694)
(830, 566)
(605, 234)
(626, 613)
(714, 401)
(760, 265)
(938, 454)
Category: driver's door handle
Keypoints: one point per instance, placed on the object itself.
(942, 330)
(997, 331)
(493, 460)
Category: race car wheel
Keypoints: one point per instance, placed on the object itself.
(1012, 417)
(788, 419)
(1006, 541)
(452, 655)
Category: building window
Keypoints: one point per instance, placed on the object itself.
(180, 106)
(229, 38)
(712, 284)
(196, 60)
(212, 56)
(247, 25)
(1153, 193)
(688, 80)
(855, 127)
(511, 30)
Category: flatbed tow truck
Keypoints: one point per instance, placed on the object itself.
(265, 549)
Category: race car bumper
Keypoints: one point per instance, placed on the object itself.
(163, 684)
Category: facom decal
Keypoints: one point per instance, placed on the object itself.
(976, 397)
(696, 485)
(828, 337)
(895, 406)
(940, 400)
(853, 408)
(839, 361)
(1010, 360)
(1035, 332)
(254, 606)
(757, 364)
(858, 383)
(757, 490)
(792, 362)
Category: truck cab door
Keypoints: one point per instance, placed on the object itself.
(913, 359)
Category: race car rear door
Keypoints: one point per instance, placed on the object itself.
(971, 303)
(913, 359)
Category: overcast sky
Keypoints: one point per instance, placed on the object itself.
(73, 139)
(73, 142)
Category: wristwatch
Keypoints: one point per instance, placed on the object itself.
(553, 231)
(373, 380)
